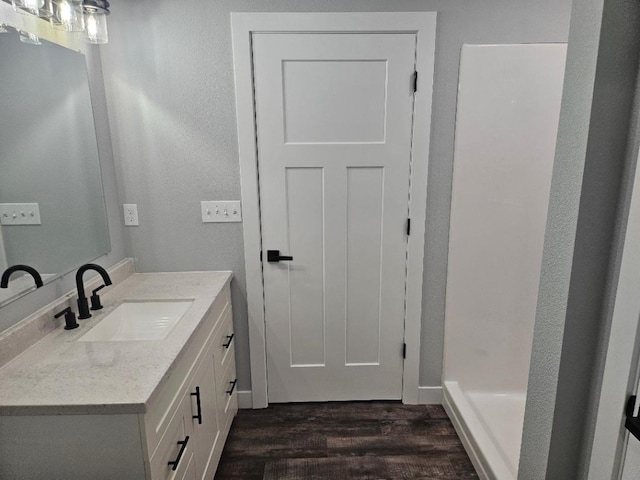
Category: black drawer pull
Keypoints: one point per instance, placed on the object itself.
(199, 415)
(233, 386)
(229, 340)
(183, 446)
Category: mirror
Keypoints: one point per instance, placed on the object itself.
(48, 157)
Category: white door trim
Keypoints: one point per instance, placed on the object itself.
(621, 364)
(243, 25)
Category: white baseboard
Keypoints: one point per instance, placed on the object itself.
(245, 399)
(426, 396)
(429, 395)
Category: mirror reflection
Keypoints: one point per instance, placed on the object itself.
(52, 210)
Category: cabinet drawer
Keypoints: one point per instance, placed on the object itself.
(166, 401)
(227, 402)
(224, 342)
(171, 447)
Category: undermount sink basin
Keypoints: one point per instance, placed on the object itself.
(138, 320)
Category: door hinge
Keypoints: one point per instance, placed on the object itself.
(404, 350)
(408, 226)
(260, 255)
(415, 82)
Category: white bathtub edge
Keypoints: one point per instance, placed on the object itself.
(486, 459)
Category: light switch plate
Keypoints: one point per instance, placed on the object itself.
(221, 211)
(20, 214)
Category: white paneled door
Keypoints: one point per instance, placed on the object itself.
(334, 119)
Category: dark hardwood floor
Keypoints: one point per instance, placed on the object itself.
(344, 440)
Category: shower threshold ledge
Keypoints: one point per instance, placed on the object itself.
(494, 453)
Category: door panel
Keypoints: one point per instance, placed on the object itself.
(334, 119)
(352, 104)
(305, 218)
(365, 196)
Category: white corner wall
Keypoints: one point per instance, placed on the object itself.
(508, 109)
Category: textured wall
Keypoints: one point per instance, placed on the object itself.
(169, 77)
(582, 226)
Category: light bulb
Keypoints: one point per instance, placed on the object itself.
(96, 27)
(68, 16)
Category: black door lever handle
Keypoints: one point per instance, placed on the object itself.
(274, 256)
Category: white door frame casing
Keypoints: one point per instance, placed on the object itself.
(620, 375)
(243, 25)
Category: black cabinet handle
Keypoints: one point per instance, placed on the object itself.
(229, 340)
(632, 423)
(183, 446)
(199, 415)
(233, 386)
(274, 256)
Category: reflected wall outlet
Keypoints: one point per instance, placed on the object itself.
(130, 214)
(20, 214)
(218, 211)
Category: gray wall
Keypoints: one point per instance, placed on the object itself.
(19, 309)
(169, 79)
(594, 159)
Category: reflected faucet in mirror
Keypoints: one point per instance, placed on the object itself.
(4, 283)
(83, 303)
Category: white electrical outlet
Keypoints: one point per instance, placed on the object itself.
(131, 214)
(19, 214)
(219, 211)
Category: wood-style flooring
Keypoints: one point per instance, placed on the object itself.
(344, 440)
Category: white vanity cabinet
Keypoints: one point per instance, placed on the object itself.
(179, 435)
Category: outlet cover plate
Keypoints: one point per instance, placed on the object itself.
(221, 211)
(20, 214)
(130, 214)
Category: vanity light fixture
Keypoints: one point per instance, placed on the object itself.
(87, 16)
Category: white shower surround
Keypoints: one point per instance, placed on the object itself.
(506, 125)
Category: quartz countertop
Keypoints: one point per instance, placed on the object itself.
(59, 375)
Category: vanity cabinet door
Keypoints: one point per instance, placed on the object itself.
(189, 471)
(224, 355)
(206, 424)
(172, 459)
(228, 397)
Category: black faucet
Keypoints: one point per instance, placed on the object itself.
(4, 283)
(83, 303)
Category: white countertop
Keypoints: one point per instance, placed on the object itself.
(59, 375)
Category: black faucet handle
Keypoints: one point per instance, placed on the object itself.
(69, 318)
(95, 298)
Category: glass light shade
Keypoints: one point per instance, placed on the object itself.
(96, 27)
(32, 6)
(40, 8)
(68, 15)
